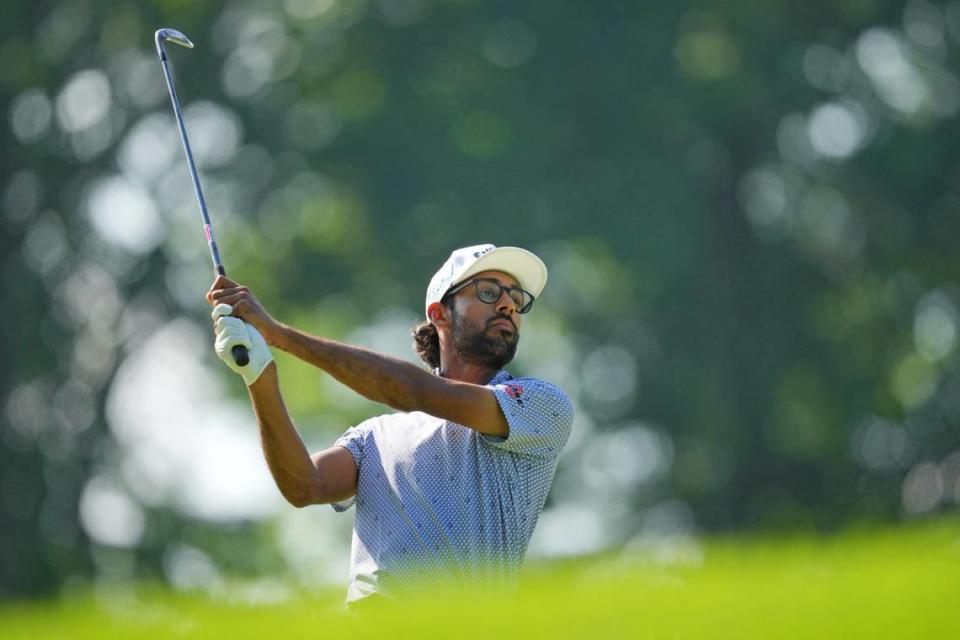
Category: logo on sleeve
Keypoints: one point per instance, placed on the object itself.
(514, 391)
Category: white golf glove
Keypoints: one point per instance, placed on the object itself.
(234, 331)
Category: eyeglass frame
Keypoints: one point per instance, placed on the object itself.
(503, 289)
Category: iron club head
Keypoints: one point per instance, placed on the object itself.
(162, 35)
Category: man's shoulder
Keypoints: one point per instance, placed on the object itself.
(531, 394)
(526, 384)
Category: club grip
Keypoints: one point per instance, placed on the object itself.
(240, 355)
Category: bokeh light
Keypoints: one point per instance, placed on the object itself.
(30, 115)
(124, 214)
(84, 100)
(509, 44)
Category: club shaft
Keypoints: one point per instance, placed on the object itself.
(240, 354)
(207, 226)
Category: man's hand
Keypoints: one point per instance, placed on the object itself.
(234, 331)
(245, 306)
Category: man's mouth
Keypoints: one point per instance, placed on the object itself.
(503, 324)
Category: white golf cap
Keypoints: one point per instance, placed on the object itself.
(528, 270)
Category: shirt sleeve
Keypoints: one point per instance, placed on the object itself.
(540, 416)
(353, 440)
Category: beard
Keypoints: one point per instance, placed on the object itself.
(480, 346)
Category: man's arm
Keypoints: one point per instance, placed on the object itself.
(381, 378)
(327, 476)
(397, 383)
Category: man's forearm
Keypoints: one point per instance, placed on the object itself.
(376, 376)
(288, 458)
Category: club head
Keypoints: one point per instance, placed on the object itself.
(162, 35)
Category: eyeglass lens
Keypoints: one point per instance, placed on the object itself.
(489, 291)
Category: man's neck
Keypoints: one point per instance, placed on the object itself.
(467, 372)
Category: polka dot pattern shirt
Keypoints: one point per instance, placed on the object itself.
(439, 501)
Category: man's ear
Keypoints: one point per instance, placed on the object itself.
(437, 313)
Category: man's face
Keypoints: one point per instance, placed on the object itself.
(486, 334)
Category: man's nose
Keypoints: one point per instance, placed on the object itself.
(506, 304)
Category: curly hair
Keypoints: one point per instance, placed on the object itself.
(426, 342)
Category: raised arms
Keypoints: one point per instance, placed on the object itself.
(381, 378)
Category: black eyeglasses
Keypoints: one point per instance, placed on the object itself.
(489, 291)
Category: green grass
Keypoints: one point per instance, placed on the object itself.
(890, 583)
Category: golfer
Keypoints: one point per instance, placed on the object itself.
(451, 486)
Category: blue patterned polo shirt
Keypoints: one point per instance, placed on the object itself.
(439, 501)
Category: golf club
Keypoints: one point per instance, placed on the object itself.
(240, 355)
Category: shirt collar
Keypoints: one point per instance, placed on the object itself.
(498, 378)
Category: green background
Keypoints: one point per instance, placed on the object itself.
(749, 211)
